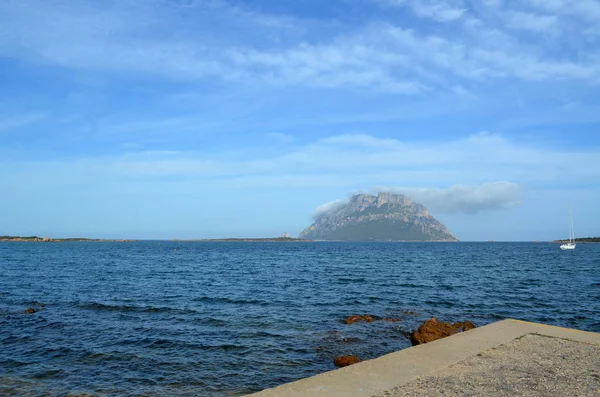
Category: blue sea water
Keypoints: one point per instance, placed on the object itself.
(160, 318)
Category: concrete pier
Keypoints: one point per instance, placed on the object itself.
(507, 358)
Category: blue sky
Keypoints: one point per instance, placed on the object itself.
(194, 119)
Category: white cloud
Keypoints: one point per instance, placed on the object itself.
(443, 11)
(530, 21)
(281, 137)
(465, 198)
(336, 161)
(437, 10)
(362, 141)
(323, 208)
(12, 122)
(449, 177)
(469, 199)
(378, 55)
(585, 10)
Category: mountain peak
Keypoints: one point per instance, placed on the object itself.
(385, 217)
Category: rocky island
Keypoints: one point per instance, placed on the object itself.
(385, 217)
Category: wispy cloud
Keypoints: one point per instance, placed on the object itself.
(161, 39)
(585, 10)
(443, 11)
(483, 173)
(11, 122)
(329, 206)
(531, 21)
(465, 198)
(351, 161)
(281, 138)
(468, 199)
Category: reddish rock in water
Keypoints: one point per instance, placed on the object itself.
(433, 329)
(30, 310)
(344, 361)
(356, 318)
(465, 325)
(391, 319)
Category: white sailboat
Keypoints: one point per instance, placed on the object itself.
(571, 244)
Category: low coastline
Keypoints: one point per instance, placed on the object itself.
(252, 240)
(36, 239)
(581, 240)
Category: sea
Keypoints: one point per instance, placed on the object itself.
(164, 318)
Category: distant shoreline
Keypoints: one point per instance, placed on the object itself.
(36, 239)
(580, 240)
(251, 240)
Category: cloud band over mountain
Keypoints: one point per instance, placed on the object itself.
(468, 199)
(461, 198)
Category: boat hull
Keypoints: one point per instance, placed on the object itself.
(568, 246)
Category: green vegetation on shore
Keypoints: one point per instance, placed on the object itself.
(255, 240)
(36, 239)
(581, 240)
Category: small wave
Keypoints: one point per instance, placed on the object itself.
(94, 358)
(51, 373)
(56, 325)
(261, 334)
(12, 363)
(412, 285)
(182, 345)
(16, 339)
(34, 303)
(215, 322)
(125, 308)
(351, 279)
(445, 304)
(60, 352)
(234, 301)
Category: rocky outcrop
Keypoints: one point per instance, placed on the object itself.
(356, 318)
(369, 319)
(433, 329)
(385, 217)
(344, 361)
(465, 325)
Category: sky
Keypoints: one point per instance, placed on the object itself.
(163, 119)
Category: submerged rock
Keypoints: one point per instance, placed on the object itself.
(433, 329)
(357, 318)
(391, 319)
(465, 325)
(344, 361)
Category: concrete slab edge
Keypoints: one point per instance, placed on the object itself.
(392, 370)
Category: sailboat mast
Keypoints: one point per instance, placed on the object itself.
(571, 233)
